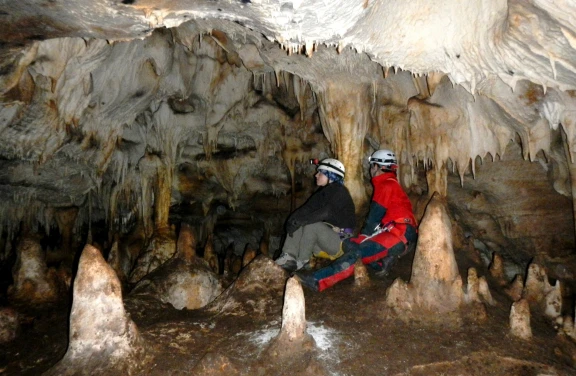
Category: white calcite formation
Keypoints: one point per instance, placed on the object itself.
(520, 320)
(293, 342)
(435, 284)
(541, 295)
(102, 338)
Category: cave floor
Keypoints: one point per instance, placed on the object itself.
(353, 332)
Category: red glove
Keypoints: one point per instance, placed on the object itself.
(359, 239)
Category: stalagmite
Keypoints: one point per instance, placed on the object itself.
(484, 291)
(536, 284)
(472, 287)
(228, 255)
(294, 312)
(115, 260)
(249, 254)
(497, 269)
(102, 338)
(542, 296)
(32, 282)
(516, 288)
(435, 284)
(361, 277)
(9, 324)
(474, 298)
(553, 301)
(569, 326)
(265, 243)
(186, 245)
(210, 254)
(66, 219)
(293, 338)
(520, 320)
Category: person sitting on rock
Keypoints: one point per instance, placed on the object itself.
(389, 230)
(320, 224)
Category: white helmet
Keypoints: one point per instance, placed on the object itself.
(385, 158)
(332, 165)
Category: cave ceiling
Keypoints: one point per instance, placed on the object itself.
(110, 105)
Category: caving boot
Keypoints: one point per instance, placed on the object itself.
(386, 265)
(287, 262)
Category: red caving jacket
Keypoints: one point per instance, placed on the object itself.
(389, 194)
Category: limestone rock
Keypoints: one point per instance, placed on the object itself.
(256, 292)
(189, 285)
(361, 277)
(215, 365)
(161, 248)
(102, 338)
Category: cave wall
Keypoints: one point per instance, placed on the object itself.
(215, 129)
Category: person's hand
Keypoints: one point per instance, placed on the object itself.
(359, 239)
(292, 226)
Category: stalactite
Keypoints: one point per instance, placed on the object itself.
(344, 113)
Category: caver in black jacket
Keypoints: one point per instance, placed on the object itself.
(331, 203)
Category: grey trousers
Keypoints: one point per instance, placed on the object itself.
(311, 239)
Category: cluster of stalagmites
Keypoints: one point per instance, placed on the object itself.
(436, 290)
(104, 339)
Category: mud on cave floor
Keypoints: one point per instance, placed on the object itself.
(350, 325)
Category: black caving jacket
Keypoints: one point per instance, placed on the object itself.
(331, 203)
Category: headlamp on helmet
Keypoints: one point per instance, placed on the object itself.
(330, 164)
